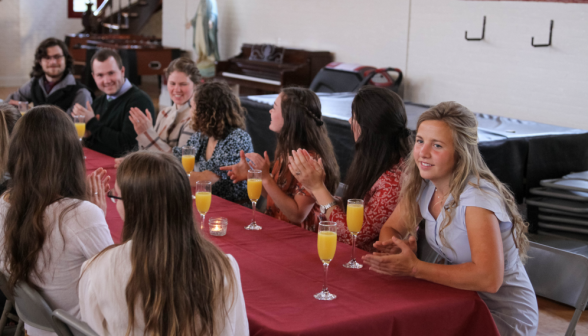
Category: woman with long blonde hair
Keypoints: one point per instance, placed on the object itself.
(471, 221)
(164, 278)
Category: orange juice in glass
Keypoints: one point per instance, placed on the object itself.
(254, 187)
(188, 158)
(327, 245)
(354, 224)
(203, 199)
(79, 122)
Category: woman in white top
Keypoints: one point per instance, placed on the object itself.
(172, 127)
(471, 221)
(164, 278)
(48, 226)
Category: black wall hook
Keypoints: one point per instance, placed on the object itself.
(483, 32)
(543, 45)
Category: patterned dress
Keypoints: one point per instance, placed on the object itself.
(292, 187)
(225, 153)
(379, 203)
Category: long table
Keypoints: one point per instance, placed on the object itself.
(280, 272)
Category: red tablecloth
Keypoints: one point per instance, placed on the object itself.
(280, 272)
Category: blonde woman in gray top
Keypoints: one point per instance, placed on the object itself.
(172, 127)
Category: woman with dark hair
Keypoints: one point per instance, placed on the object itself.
(296, 118)
(164, 278)
(378, 122)
(219, 125)
(8, 117)
(48, 226)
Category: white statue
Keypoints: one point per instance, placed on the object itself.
(205, 24)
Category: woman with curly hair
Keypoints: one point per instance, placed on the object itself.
(218, 122)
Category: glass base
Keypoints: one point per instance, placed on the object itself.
(253, 226)
(353, 264)
(325, 296)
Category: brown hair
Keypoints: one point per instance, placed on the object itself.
(178, 277)
(185, 66)
(216, 110)
(41, 52)
(44, 137)
(468, 162)
(381, 117)
(103, 54)
(304, 128)
(8, 117)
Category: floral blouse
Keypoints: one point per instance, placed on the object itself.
(225, 153)
(379, 203)
(292, 187)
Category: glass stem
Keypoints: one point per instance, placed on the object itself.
(202, 222)
(326, 267)
(353, 239)
(253, 203)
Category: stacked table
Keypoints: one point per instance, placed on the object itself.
(280, 272)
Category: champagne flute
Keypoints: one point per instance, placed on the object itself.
(23, 107)
(254, 191)
(79, 121)
(188, 158)
(354, 224)
(327, 244)
(203, 198)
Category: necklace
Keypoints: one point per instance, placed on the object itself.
(440, 198)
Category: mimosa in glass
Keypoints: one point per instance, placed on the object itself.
(254, 187)
(188, 158)
(354, 224)
(79, 122)
(23, 107)
(203, 199)
(327, 244)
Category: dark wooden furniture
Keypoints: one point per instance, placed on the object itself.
(141, 55)
(264, 68)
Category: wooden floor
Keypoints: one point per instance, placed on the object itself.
(553, 317)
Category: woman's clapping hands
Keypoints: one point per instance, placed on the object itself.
(308, 171)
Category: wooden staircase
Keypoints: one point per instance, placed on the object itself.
(121, 16)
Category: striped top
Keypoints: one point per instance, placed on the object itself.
(172, 128)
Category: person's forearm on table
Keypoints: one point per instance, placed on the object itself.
(285, 203)
(466, 276)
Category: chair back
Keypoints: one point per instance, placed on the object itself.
(66, 325)
(32, 307)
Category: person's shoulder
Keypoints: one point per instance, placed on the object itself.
(239, 133)
(104, 261)
(84, 215)
(479, 189)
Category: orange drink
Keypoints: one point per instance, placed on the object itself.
(188, 162)
(254, 188)
(327, 244)
(354, 217)
(203, 201)
(81, 128)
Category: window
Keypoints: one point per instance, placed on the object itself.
(76, 8)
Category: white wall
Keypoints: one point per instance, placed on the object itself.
(374, 34)
(502, 75)
(23, 25)
(10, 43)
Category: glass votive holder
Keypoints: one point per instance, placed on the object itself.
(218, 226)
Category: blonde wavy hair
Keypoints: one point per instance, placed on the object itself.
(469, 162)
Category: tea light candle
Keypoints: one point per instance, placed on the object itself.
(218, 226)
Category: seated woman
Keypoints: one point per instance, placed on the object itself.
(164, 278)
(296, 117)
(471, 220)
(378, 122)
(172, 127)
(48, 226)
(219, 125)
(8, 117)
